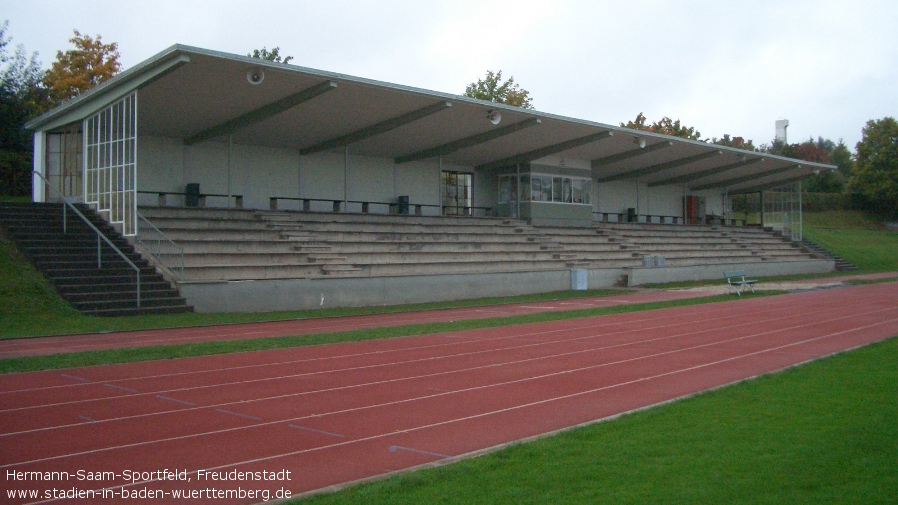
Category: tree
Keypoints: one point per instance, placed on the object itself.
(876, 171)
(666, 125)
(492, 89)
(77, 70)
(737, 142)
(273, 55)
(21, 98)
(819, 151)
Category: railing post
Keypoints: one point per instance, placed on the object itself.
(99, 254)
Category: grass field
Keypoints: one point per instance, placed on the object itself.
(824, 432)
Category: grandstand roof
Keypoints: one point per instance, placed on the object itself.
(200, 95)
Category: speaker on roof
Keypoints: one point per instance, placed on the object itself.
(494, 116)
(255, 75)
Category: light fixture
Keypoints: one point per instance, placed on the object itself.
(817, 172)
(640, 141)
(494, 116)
(255, 76)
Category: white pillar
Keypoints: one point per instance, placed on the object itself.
(39, 166)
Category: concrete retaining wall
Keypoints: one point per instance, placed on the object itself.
(640, 276)
(297, 294)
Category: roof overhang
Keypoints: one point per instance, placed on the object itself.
(197, 96)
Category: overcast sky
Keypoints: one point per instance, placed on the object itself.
(720, 66)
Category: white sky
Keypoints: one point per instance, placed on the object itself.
(721, 66)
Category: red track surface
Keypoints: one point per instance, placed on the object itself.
(77, 343)
(337, 413)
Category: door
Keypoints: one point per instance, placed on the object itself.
(458, 193)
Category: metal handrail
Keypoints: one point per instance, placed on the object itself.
(156, 252)
(100, 235)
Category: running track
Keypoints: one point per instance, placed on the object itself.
(343, 412)
(76, 343)
(11, 348)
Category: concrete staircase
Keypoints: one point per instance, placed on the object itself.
(69, 261)
(841, 263)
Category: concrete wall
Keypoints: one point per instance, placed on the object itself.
(299, 294)
(259, 173)
(640, 276)
(296, 294)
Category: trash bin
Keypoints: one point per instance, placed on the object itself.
(192, 192)
(631, 215)
(578, 279)
(402, 205)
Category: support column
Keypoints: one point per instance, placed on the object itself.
(40, 166)
(230, 156)
(345, 177)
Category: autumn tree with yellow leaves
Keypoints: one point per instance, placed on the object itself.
(77, 70)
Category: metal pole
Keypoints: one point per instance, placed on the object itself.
(518, 190)
(345, 177)
(230, 152)
(440, 184)
(685, 190)
(800, 215)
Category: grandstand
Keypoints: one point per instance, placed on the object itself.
(254, 185)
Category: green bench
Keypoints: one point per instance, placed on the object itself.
(737, 281)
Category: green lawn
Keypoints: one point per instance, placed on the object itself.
(824, 432)
(856, 237)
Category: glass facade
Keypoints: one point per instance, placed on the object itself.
(546, 188)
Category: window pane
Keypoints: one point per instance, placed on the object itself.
(546, 194)
(556, 189)
(566, 194)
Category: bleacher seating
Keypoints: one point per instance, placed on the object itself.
(252, 244)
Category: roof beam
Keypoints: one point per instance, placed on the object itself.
(774, 184)
(376, 129)
(704, 173)
(659, 167)
(548, 150)
(473, 140)
(262, 113)
(740, 180)
(596, 163)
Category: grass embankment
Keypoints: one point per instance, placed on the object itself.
(856, 237)
(823, 432)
